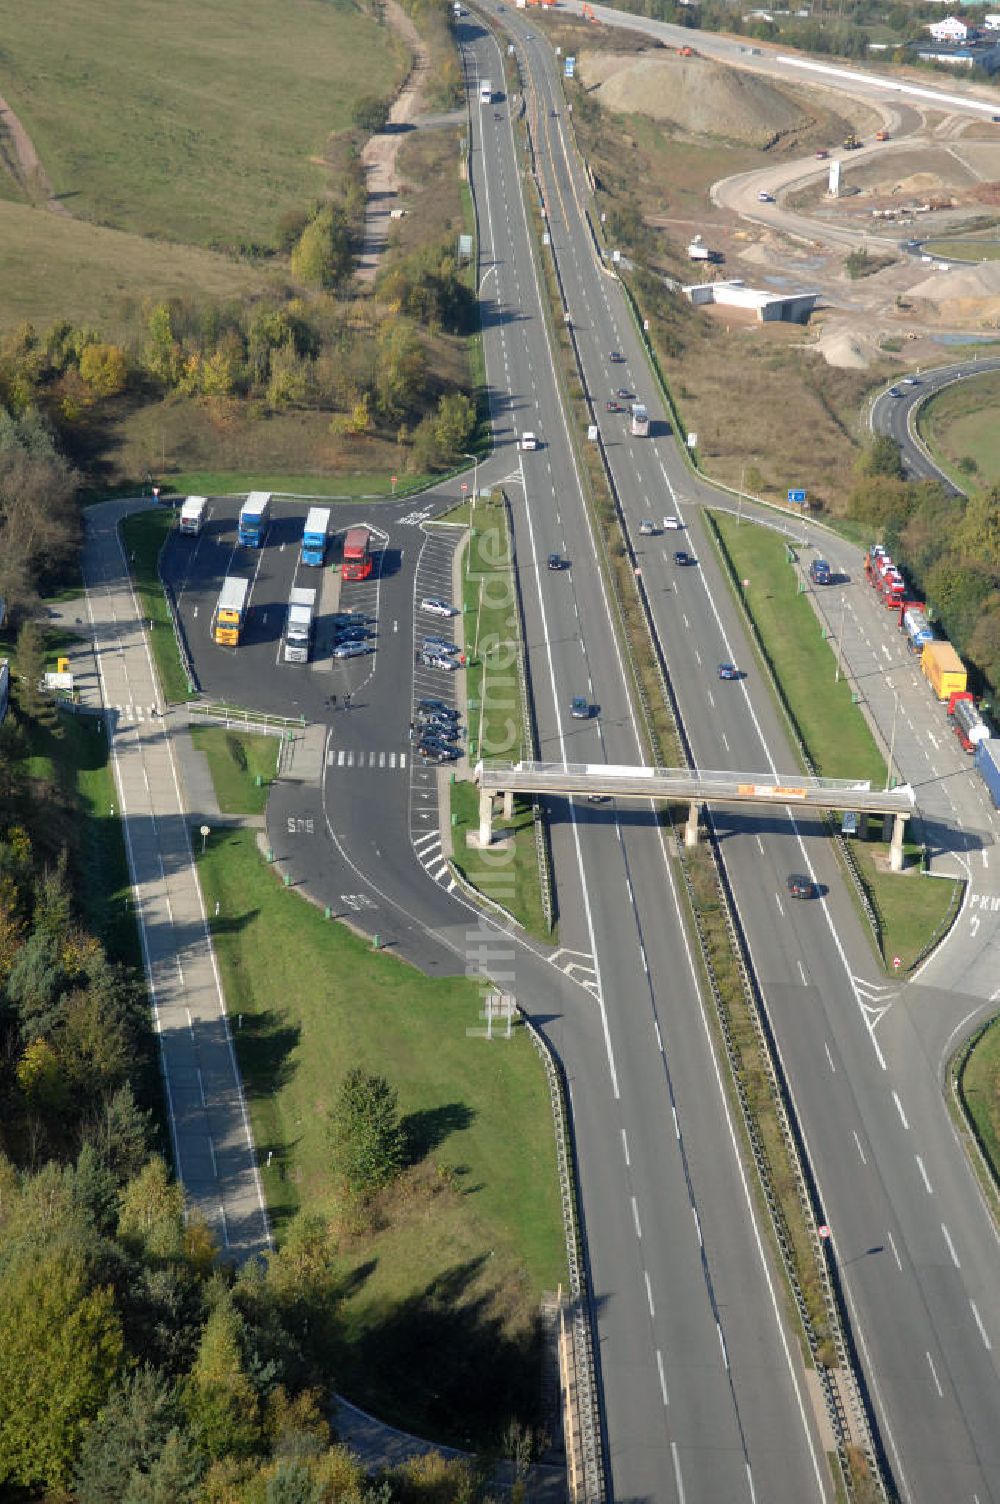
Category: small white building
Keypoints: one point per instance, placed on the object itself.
(951, 29)
(793, 308)
(991, 23)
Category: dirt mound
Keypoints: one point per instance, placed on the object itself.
(839, 347)
(960, 284)
(698, 96)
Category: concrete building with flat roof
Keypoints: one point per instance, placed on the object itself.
(770, 307)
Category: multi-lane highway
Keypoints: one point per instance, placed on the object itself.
(915, 1246)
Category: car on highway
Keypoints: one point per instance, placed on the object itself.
(800, 886)
(682, 558)
(616, 357)
(820, 572)
(429, 659)
(613, 406)
(529, 440)
(579, 708)
(671, 524)
(555, 562)
(729, 671)
(765, 198)
(352, 649)
(822, 154)
(436, 605)
(624, 394)
(910, 381)
(647, 528)
(894, 392)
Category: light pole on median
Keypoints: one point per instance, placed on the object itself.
(475, 475)
(840, 637)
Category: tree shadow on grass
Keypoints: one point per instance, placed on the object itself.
(427, 1129)
(443, 1363)
(264, 1043)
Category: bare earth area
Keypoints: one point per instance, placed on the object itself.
(381, 150)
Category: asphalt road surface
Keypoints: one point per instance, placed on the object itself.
(896, 415)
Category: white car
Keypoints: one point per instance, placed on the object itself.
(671, 524)
(529, 441)
(765, 198)
(435, 606)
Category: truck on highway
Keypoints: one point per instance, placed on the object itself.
(254, 515)
(639, 425)
(485, 91)
(299, 624)
(987, 761)
(966, 722)
(913, 621)
(230, 611)
(192, 518)
(315, 535)
(943, 669)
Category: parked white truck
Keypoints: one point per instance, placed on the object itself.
(193, 515)
(299, 626)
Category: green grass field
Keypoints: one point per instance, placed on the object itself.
(980, 1091)
(833, 729)
(960, 424)
(236, 760)
(964, 250)
(495, 723)
(143, 536)
(52, 267)
(458, 1257)
(188, 122)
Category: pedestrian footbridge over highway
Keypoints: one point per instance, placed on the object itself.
(694, 788)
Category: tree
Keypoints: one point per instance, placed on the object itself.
(104, 369)
(128, 1436)
(163, 355)
(880, 457)
(60, 1348)
(121, 1132)
(365, 1133)
(219, 1399)
(454, 424)
(41, 1077)
(400, 369)
(322, 256)
(152, 1211)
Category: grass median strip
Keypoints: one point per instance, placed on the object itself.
(832, 728)
(508, 875)
(236, 762)
(143, 536)
(455, 1257)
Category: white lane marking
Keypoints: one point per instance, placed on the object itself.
(722, 1345)
(899, 1109)
(951, 1246)
(635, 1218)
(625, 1148)
(649, 1294)
(659, 1037)
(802, 974)
(923, 1175)
(777, 899)
(760, 844)
(829, 1057)
(678, 1480)
(860, 1150)
(697, 1227)
(663, 1381)
(895, 1254)
(937, 1381)
(982, 1330)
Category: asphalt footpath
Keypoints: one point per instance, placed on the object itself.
(213, 1148)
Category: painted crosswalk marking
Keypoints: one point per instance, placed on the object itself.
(350, 757)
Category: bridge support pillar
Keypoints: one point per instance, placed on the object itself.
(485, 818)
(896, 844)
(508, 805)
(862, 827)
(691, 828)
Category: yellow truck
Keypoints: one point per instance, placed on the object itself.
(230, 612)
(943, 669)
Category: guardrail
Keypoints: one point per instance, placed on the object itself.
(584, 1445)
(220, 714)
(187, 662)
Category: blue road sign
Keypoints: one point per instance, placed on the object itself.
(797, 496)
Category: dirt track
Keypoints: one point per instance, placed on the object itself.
(19, 157)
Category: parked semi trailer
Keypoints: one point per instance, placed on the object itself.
(315, 535)
(230, 611)
(299, 625)
(913, 621)
(254, 515)
(193, 515)
(966, 722)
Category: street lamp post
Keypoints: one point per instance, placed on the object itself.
(889, 780)
(475, 475)
(739, 503)
(840, 637)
